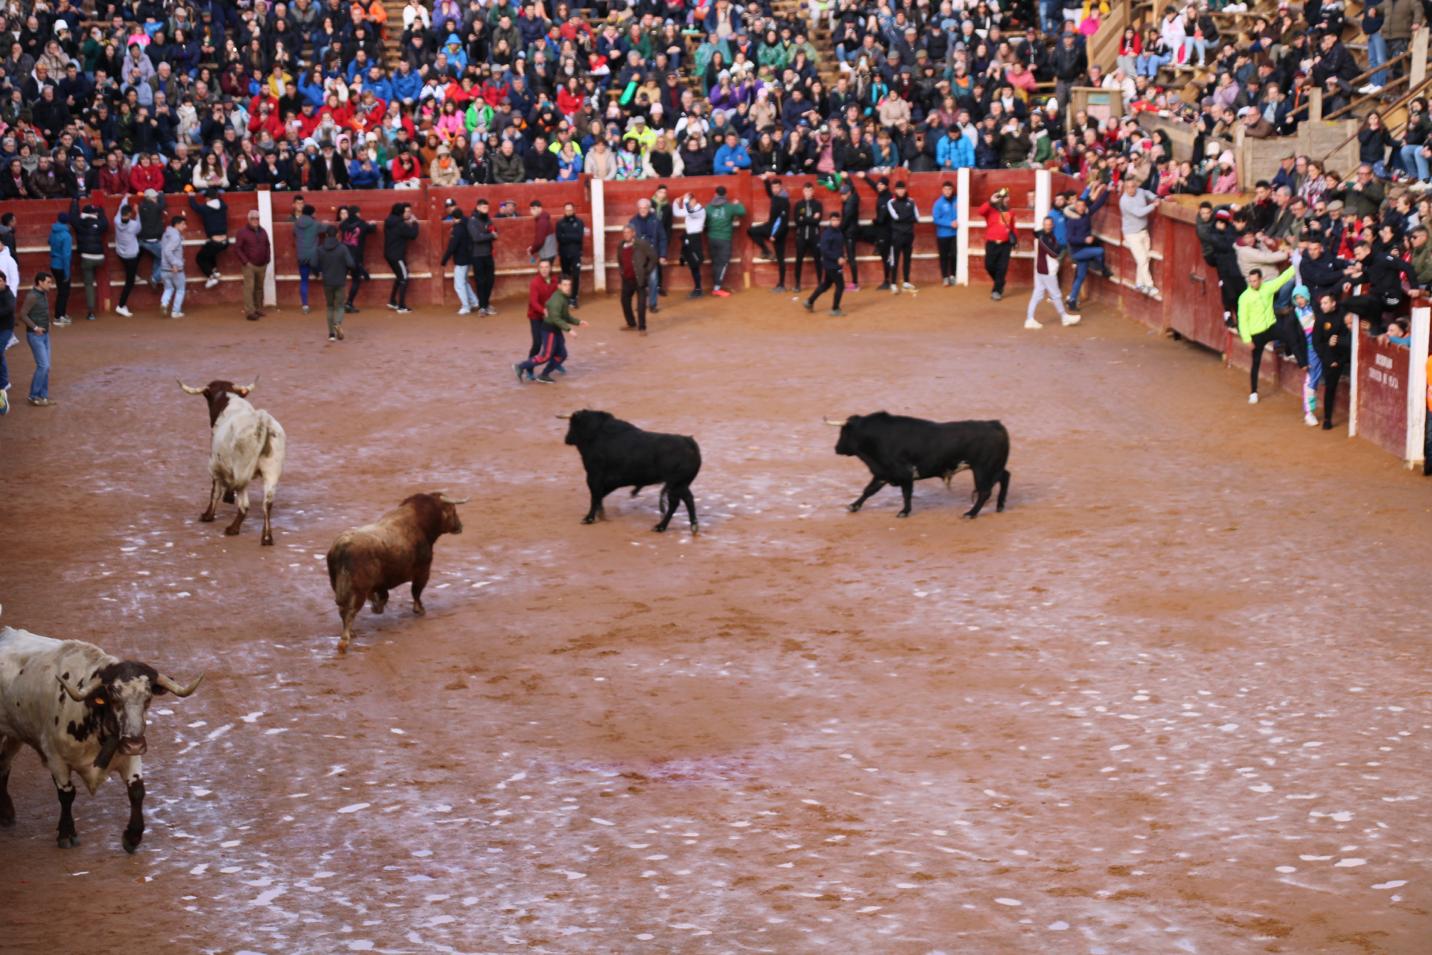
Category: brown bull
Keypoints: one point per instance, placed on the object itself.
(366, 562)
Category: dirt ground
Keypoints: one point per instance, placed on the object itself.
(1174, 699)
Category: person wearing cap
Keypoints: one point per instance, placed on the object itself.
(832, 247)
(254, 252)
(1000, 238)
(1048, 251)
(483, 236)
(722, 217)
(459, 252)
(334, 262)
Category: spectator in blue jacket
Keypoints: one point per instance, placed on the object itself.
(954, 151)
(362, 174)
(946, 213)
(407, 85)
(62, 252)
(732, 156)
(1085, 248)
(1061, 223)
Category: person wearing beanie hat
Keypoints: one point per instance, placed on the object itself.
(1313, 376)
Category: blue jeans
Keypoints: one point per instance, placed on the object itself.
(466, 295)
(1191, 44)
(4, 369)
(40, 348)
(1149, 64)
(173, 292)
(1083, 258)
(653, 287)
(152, 247)
(1376, 56)
(1414, 163)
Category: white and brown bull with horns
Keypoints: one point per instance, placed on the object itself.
(246, 443)
(83, 711)
(366, 562)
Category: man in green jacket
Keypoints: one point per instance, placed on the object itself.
(558, 322)
(1258, 325)
(722, 217)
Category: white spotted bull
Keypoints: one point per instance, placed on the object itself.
(246, 443)
(83, 711)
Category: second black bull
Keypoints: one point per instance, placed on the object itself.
(900, 450)
(618, 454)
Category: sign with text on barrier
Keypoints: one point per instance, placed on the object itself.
(1381, 396)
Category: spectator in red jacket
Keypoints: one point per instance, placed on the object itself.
(114, 175)
(148, 173)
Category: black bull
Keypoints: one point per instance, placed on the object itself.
(900, 451)
(618, 454)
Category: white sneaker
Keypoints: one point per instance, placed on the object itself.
(1071, 319)
(305, 309)
(121, 310)
(1031, 324)
(1253, 398)
(176, 314)
(464, 311)
(212, 280)
(907, 287)
(1310, 419)
(1369, 88)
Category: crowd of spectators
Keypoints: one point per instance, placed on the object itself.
(301, 96)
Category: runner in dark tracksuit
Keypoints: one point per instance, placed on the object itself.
(774, 229)
(850, 228)
(807, 220)
(484, 268)
(880, 230)
(399, 229)
(903, 217)
(832, 245)
(571, 236)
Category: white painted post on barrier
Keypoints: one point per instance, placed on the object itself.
(1043, 196)
(599, 234)
(962, 237)
(1417, 386)
(265, 201)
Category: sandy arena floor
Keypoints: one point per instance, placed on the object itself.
(1175, 699)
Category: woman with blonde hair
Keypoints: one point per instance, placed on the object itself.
(662, 161)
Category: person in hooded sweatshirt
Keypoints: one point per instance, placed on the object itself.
(62, 253)
(334, 261)
(214, 217)
(151, 230)
(400, 228)
(126, 246)
(171, 262)
(353, 231)
(459, 253)
(91, 224)
(305, 240)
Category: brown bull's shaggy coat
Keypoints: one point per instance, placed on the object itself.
(366, 562)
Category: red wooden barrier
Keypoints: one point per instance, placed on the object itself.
(1382, 375)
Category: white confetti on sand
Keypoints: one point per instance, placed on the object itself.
(1010, 902)
(355, 807)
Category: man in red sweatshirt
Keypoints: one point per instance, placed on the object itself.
(999, 239)
(544, 283)
(544, 236)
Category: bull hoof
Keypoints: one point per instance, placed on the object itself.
(903, 514)
(68, 842)
(206, 518)
(853, 508)
(131, 843)
(999, 509)
(589, 520)
(660, 528)
(970, 515)
(267, 541)
(7, 822)
(231, 531)
(419, 610)
(695, 531)
(342, 647)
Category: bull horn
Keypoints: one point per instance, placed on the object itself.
(453, 500)
(564, 417)
(245, 389)
(176, 689)
(190, 389)
(74, 694)
(834, 424)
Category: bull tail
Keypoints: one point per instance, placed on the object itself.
(661, 499)
(336, 565)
